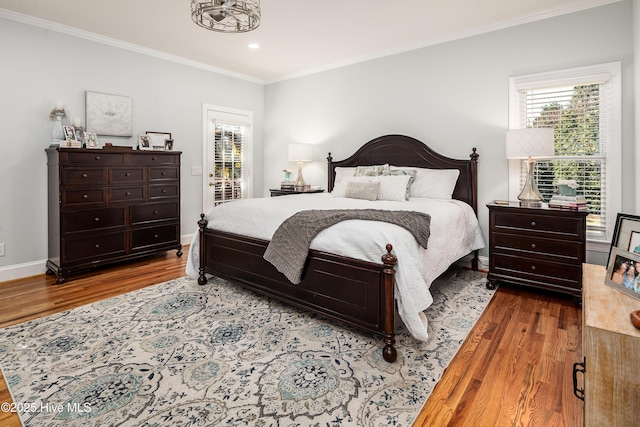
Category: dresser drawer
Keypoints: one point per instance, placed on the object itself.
(531, 245)
(537, 271)
(153, 212)
(156, 174)
(82, 176)
(96, 157)
(92, 219)
(124, 176)
(568, 227)
(126, 194)
(93, 247)
(161, 191)
(153, 159)
(82, 196)
(154, 236)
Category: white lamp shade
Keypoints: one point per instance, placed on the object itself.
(534, 142)
(300, 152)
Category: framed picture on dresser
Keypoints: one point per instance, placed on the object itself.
(626, 235)
(623, 272)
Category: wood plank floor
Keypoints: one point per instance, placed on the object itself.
(514, 368)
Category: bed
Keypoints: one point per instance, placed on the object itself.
(361, 290)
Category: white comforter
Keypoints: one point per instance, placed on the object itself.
(455, 232)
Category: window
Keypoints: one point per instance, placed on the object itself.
(228, 155)
(583, 107)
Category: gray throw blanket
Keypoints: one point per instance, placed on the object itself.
(289, 246)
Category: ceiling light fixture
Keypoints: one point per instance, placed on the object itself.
(226, 16)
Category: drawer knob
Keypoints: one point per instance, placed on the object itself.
(154, 158)
(96, 219)
(533, 223)
(97, 157)
(84, 196)
(533, 246)
(164, 191)
(155, 212)
(533, 268)
(97, 245)
(164, 173)
(155, 236)
(128, 193)
(84, 175)
(127, 174)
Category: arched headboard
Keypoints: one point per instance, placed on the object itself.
(401, 150)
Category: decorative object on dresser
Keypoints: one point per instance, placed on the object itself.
(108, 115)
(300, 153)
(110, 205)
(538, 247)
(530, 144)
(56, 115)
(611, 350)
(158, 140)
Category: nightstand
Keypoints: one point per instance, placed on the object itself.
(275, 192)
(539, 247)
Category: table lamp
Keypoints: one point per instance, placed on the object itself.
(300, 153)
(530, 144)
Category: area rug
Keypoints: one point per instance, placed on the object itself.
(180, 354)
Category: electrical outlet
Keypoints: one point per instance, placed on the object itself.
(196, 170)
(1, 249)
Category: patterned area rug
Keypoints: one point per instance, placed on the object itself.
(181, 354)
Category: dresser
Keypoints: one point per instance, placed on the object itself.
(537, 247)
(110, 205)
(611, 349)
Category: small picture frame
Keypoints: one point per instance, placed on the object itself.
(143, 142)
(91, 140)
(70, 133)
(168, 144)
(157, 140)
(623, 272)
(626, 234)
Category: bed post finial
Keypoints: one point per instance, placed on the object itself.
(389, 260)
(202, 226)
(330, 173)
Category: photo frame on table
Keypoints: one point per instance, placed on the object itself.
(157, 140)
(108, 115)
(626, 235)
(91, 140)
(143, 142)
(70, 133)
(623, 272)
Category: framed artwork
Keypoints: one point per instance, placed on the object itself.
(626, 235)
(91, 139)
(143, 142)
(623, 272)
(157, 140)
(108, 115)
(168, 144)
(70, 133)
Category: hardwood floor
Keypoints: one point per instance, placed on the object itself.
(514, 368)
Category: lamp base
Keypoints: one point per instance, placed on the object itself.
(530, 196)
(299, 184)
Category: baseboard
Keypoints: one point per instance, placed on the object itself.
(35, 268)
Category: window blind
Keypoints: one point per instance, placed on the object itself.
(577, 114)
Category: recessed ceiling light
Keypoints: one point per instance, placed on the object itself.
(254, 46)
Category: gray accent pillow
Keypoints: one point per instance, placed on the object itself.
(362, 190)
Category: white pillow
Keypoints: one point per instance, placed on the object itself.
(371, 170)
(432, 183)
(342, 173)
(394, 188)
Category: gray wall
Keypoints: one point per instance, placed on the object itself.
(453, 96)
(40, 67)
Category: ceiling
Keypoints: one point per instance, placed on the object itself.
(296, 37)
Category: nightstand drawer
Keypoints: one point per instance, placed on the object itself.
(563, 274)
(532, 223)
(531, 245)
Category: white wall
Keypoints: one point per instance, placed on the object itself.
(40, 67)
(453, 96)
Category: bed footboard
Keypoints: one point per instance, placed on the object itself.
(355, 292)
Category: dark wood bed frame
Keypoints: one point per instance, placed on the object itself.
(355, 292)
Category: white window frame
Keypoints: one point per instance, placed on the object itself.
(610, 72)
(228, 116)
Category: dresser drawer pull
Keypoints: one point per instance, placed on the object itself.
(533, 268)
(84, 175)
(127, 174)
(533, 246)
(96, 219)
(97, 157)
(533, 223)
(154, 158)
(128, 193)
(85, 196)
(164, 173)
(155, 212)
(97, 245)
(164, 191)
(155, 236)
